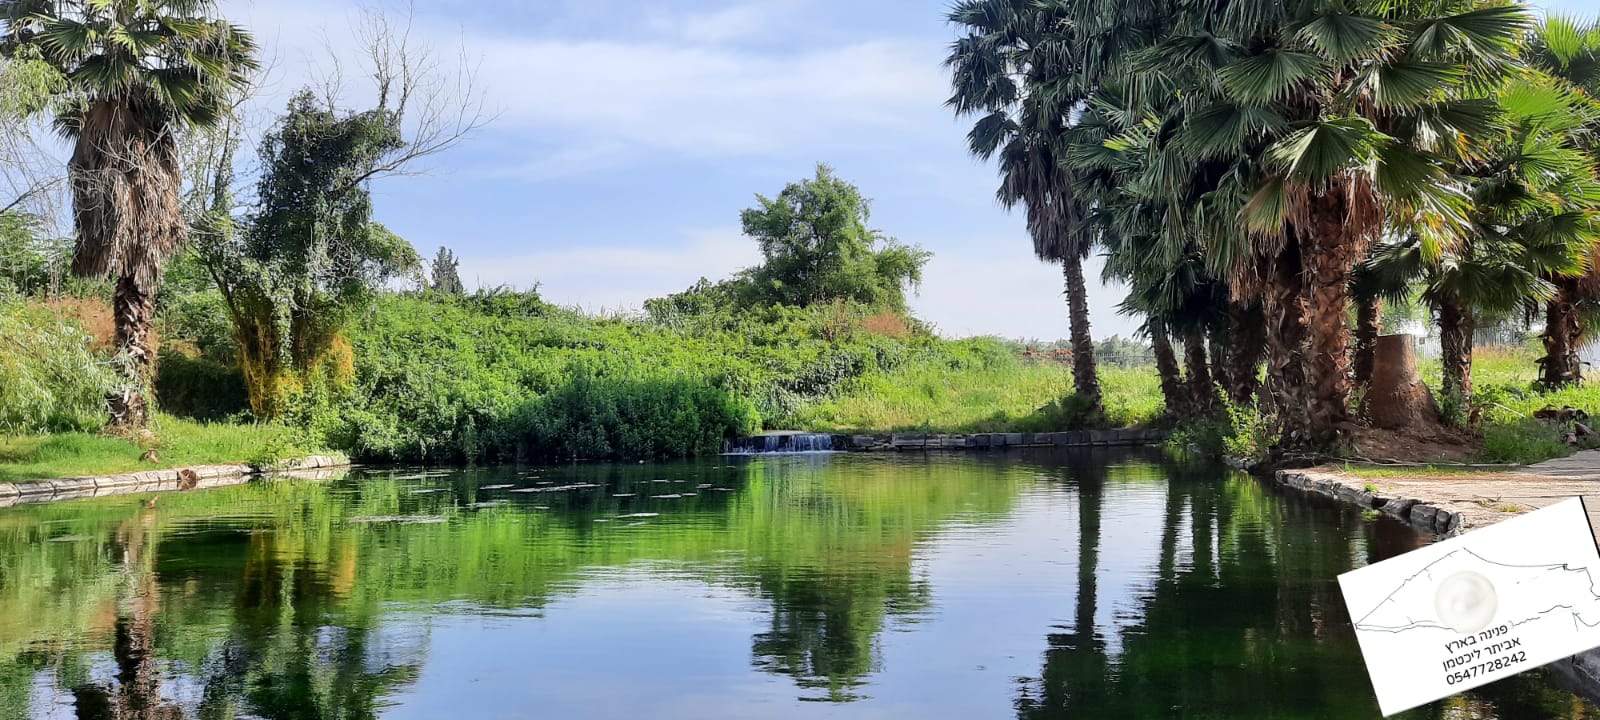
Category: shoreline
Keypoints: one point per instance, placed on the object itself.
(164, 480)
(1447, 506)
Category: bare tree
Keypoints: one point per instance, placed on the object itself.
(436, 105)
(32, 173)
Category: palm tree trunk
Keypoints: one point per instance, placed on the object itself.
(1455, 341)
(1286, 334)
(1247, 336)
(1560, 365)
(133, 309)
(1219, 344)
(1167, 370)
(1331, 253)
(1202, 393)
(1369, 325)
(1084, 378)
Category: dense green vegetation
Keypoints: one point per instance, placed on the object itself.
(506, 377)
(1262, 174)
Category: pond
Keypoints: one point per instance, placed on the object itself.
(1106, 584)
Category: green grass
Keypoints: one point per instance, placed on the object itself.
(1505, 389)
(178, 443)
(1381, 471)
(934, 398)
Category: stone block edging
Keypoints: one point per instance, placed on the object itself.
(1421, 515)
(995, 441)
(57, 489)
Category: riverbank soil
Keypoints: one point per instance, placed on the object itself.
(1424, 443)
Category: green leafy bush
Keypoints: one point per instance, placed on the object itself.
(1249, 435)
(594, 418)
(51, 380)
(198, 388)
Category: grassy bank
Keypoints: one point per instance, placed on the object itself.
(177, 443)
(930, 398)
(1506, 397)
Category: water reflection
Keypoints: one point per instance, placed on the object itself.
(917, 586)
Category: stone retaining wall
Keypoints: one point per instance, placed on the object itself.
(210, 476)
(995, 441)
(1419, 514)
(1580, 673)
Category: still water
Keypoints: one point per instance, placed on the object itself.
(1059, 585)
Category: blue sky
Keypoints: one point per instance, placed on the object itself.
(630, 133)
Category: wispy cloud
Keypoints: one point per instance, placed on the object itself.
(709, 102)
(679, 89)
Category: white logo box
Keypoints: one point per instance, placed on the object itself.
(1481, 607)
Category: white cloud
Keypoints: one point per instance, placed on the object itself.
(679, 90)
(700, 102)
(617, 277)
(734, 22)
(1007, 292)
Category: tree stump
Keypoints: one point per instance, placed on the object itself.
(1397, 399)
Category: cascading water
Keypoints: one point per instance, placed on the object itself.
(781, 443)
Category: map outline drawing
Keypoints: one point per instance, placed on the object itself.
(1424, 578)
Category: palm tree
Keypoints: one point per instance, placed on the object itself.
(1336, 124)
(1530, 195)
(137, 72)
(1008, 68)
(1569, 53)
(1140, 196)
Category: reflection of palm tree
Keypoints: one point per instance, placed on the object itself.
(1076, 663)
(138, 694)
(1239, 629)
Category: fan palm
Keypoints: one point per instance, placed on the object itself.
(1530, 198)
(1569, 53)
(1337, 122)
(1008, 69)
(1119, 162)
(137, 72)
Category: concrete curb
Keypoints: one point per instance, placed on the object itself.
(165, 480)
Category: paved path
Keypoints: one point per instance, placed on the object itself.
(1486, 498)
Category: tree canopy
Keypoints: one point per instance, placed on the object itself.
(817, 247)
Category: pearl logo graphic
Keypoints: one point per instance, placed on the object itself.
(1466, 602)
(1470, 610)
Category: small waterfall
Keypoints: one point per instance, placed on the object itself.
(781, 443)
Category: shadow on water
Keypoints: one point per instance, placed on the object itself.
(609, 590)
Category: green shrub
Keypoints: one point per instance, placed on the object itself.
(50, 378)
(1249, 434)
(591, 418)
(1203, 438)
(1069, 412)
(1523, 441)
(198, 388)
